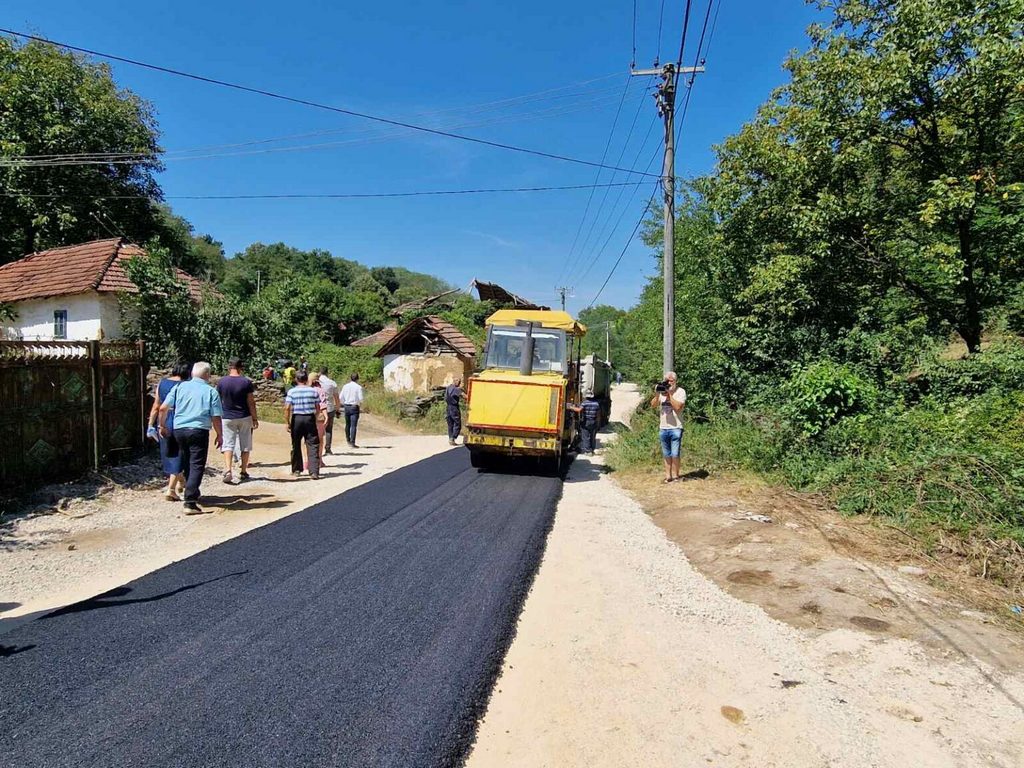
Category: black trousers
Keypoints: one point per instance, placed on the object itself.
(454, 419)
(304, 430)
(193, 447)
(329, 430)
(351, 423)
(588, 437)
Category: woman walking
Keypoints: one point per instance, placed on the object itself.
(169, 455)
(321, 416)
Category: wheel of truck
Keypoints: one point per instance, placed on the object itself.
(479, 460)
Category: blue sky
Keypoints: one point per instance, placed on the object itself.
(443, 65)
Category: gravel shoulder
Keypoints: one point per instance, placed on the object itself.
(626, 654)
(98, 542)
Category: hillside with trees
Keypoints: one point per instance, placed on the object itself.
(850, 305)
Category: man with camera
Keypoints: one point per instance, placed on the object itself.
(670, 399)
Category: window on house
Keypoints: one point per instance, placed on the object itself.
(60, 324)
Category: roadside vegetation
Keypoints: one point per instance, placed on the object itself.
(849, 287)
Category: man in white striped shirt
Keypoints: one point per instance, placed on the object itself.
(301, 407)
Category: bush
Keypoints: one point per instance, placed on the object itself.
(344, 361)
(824, 392)
(1000, 366)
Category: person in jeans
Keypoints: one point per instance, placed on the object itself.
(590, 415)
(301, 409)
(330, 387)
(671, 403)
(197, 408)
(237, 396)
(170, 456)
(452, 415)
(351, 399)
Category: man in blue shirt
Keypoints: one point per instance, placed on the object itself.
(301, 407)
(197, 408)
(590, 417)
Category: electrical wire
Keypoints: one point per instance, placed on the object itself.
(590, 198)
(496, 105)
(377, 137)
(686, 104)
(317, 105)
(337, 196)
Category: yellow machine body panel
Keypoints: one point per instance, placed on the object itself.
(508, 401)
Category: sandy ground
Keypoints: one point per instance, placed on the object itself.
(50, 560)
(626, 655)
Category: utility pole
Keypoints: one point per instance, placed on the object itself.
(563, 291)
(666, 100)
(607, 341)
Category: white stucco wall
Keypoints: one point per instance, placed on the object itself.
(88, 313)
(420, 373)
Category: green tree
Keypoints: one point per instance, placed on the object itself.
(199, 255)
(386, 276)
(890, 160)
(55, 103)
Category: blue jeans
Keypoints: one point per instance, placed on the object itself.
(670, 440)
(351, 423)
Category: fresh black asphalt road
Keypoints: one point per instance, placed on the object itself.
(365, 631)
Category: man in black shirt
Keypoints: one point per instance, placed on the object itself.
(452, 397)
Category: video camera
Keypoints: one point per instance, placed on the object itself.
(663, 387)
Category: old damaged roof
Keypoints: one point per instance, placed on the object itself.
(93, 266)
(383, 336)
(437, 327)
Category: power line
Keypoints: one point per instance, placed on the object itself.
(590, 198)
(682, 118)
(520, 100)
(661, 20)
(574, 263)
(594, 228)
(317, 105)
(126, 158)
(632, 62)
(337, 196)
(625, 247)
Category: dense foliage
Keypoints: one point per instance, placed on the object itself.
(58, 103)
(849, 279)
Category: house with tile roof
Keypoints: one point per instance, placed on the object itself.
(426, 354)
(72, 292)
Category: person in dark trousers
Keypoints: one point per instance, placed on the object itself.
(301, 409)
(351, 399)
(590, 415)
(197, 408)
(452, 398)
(330, 387)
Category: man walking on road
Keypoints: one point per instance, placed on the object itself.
(301, 407)
(197, 408)
(330, 388)
(351, 398)
(239, 403)
(452, 398)
(590, 415)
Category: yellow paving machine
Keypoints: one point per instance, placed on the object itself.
(518, 401)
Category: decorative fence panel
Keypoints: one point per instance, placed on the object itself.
(68, 407)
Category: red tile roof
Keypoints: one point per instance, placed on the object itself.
(436, 328)
(95, 266)
(383, 336)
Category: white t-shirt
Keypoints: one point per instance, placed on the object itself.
(670, 418)
(330, 387)
(351, 394)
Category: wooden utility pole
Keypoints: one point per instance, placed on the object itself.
(563, 291)
(666, 100)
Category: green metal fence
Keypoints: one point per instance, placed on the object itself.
(67, 407)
